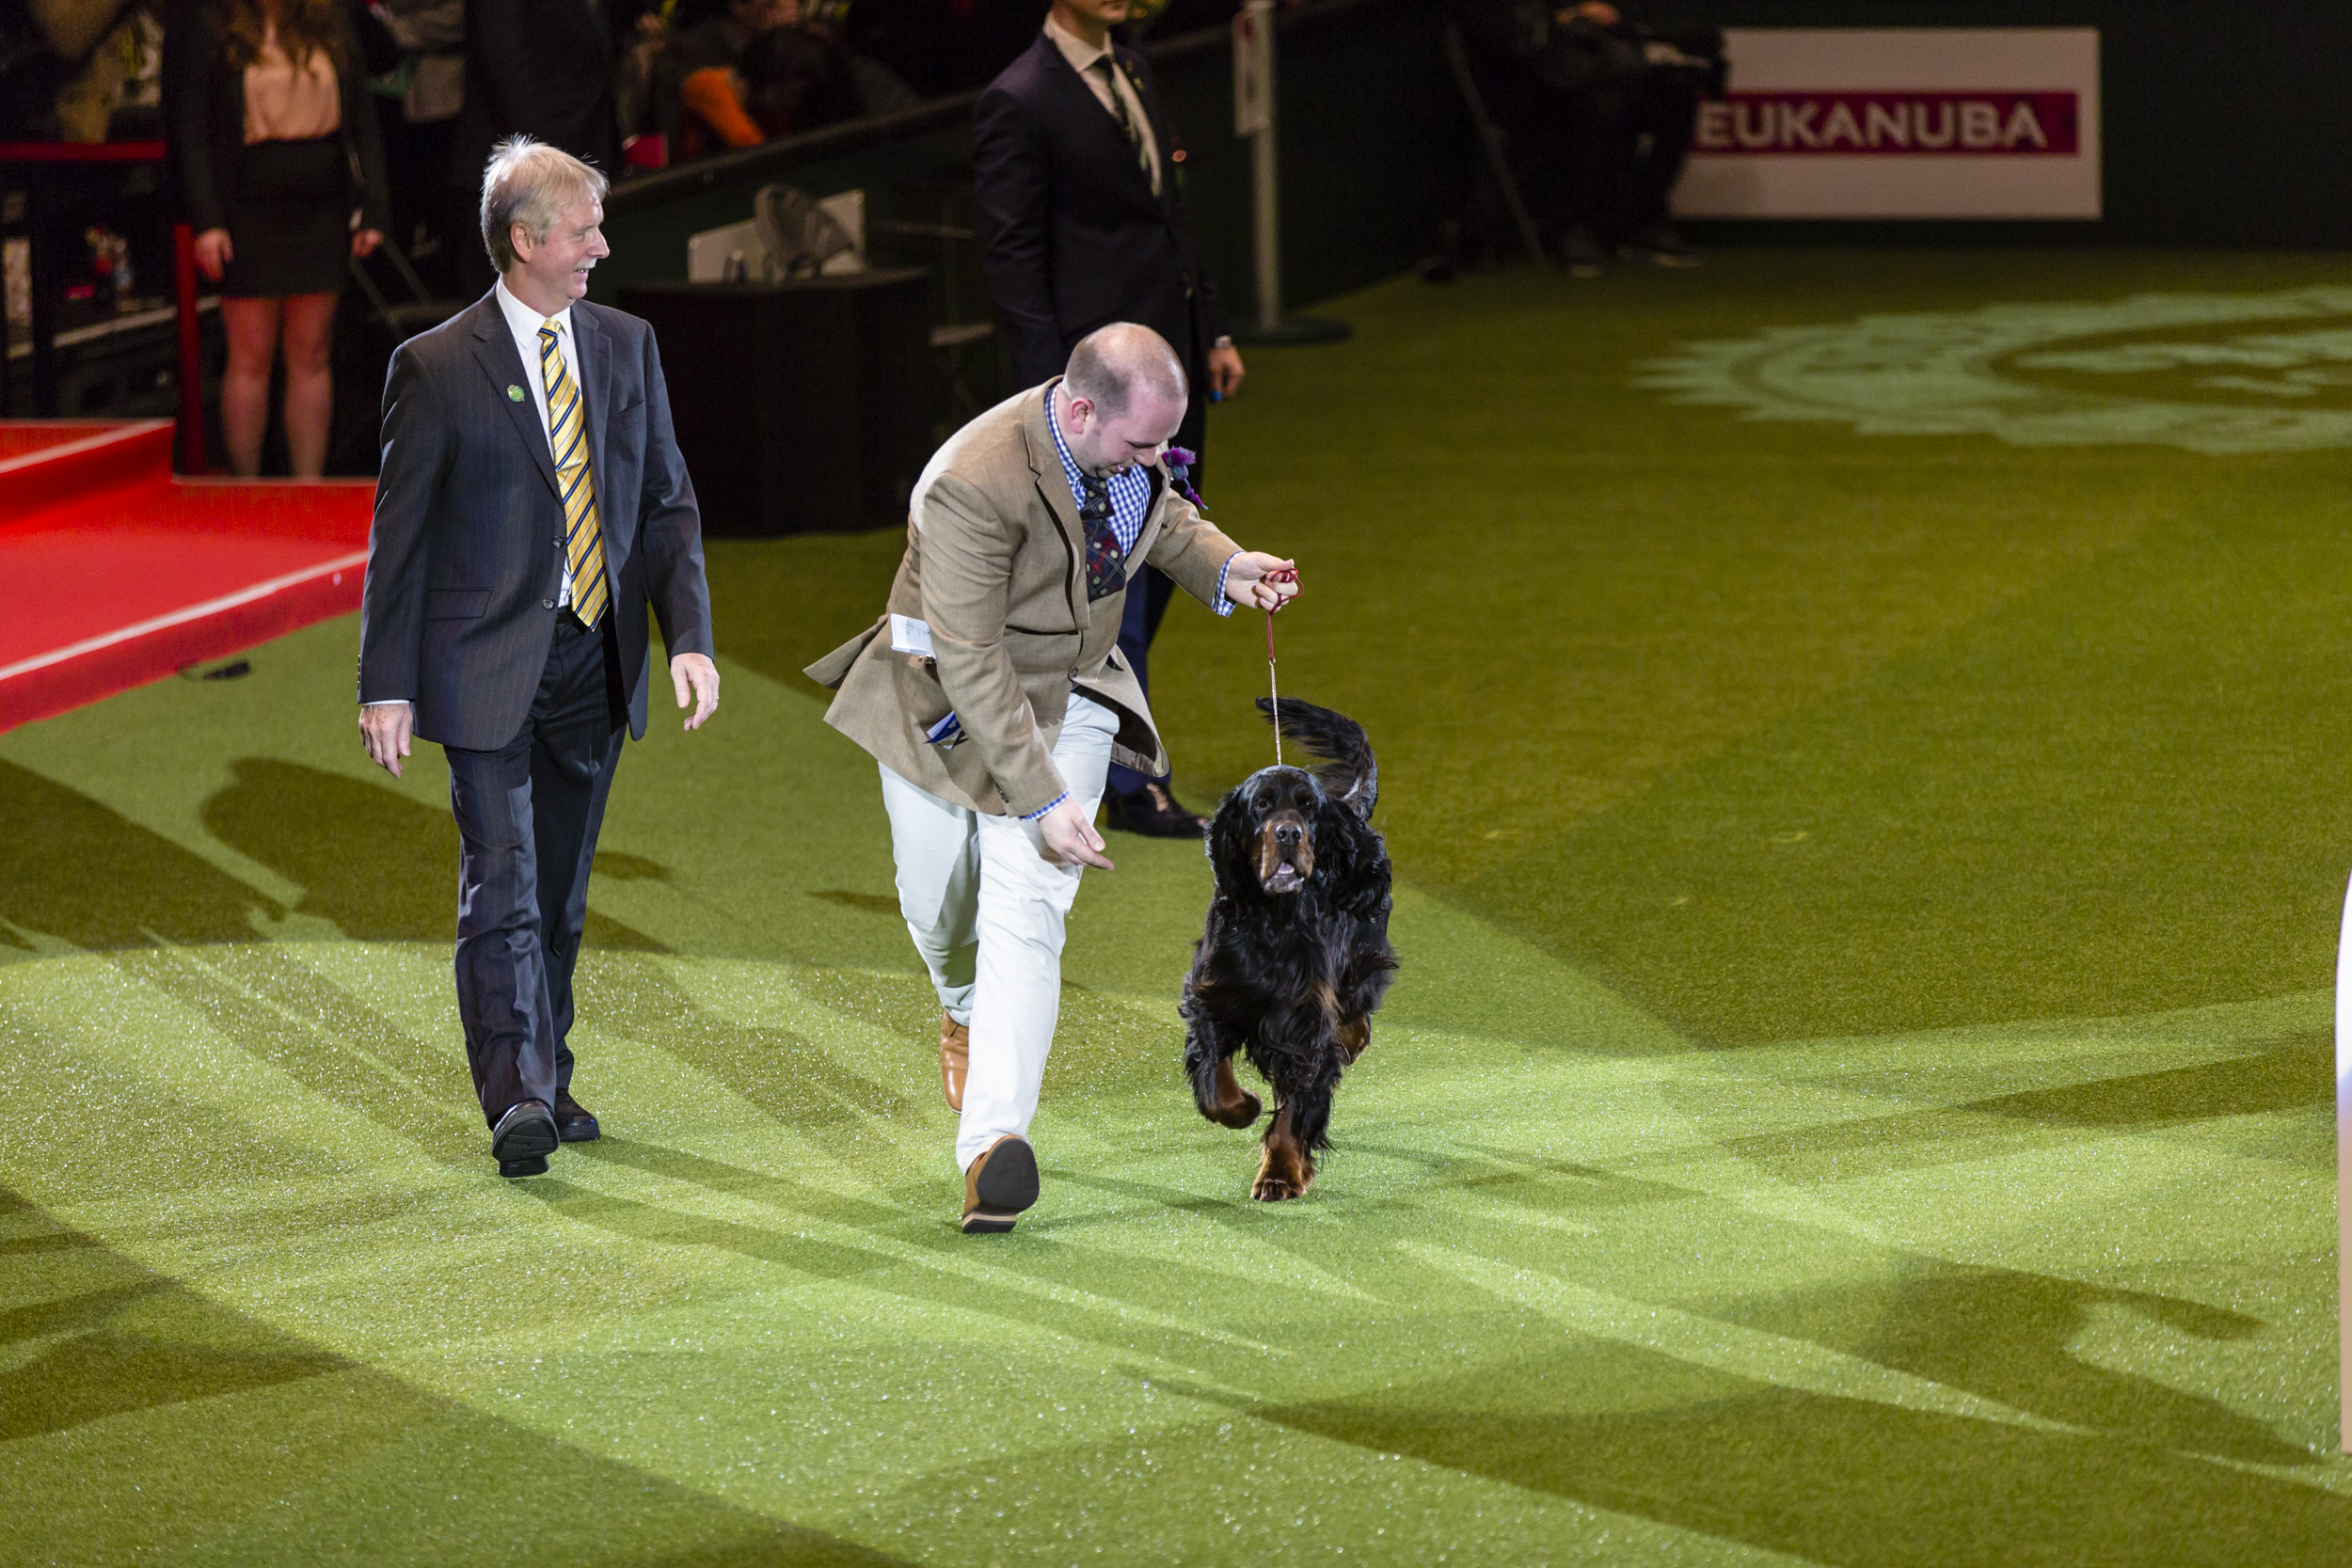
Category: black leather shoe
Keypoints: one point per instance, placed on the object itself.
(1151, 812)
(523, 1139)
(574, 1123)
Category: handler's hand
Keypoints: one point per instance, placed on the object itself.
(698, 681)
(1225, 371)
(384, 729)
(213, 253)
(1246, 580)
(1068, 836)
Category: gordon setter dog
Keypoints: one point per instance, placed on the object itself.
(1296, 955)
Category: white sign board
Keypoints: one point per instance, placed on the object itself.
(1918, 122)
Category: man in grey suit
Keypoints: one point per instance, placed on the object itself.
(532, 505)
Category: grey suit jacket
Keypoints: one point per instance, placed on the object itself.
(996, 570)
(466, 555)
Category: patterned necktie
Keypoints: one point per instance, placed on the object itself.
(1107, 562)
(1127, 126)
(567, 433)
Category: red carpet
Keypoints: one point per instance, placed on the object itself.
(121, 574)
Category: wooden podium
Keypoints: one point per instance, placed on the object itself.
(801, 408)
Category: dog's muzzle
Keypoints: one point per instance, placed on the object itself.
(1286, 853)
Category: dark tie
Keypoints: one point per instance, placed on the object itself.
(1107, 563)
(1127, 126)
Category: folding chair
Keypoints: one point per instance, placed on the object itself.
(1492, 139)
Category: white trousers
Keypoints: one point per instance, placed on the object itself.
(987, 910)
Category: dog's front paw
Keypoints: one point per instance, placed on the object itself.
(1282, 1174)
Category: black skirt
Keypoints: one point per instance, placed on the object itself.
(290, 224)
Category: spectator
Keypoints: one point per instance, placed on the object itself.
(944, 46)
(276, 144)
(428, 78)
(1600, 112)
(702, 105)
(536, 68)
(753, 72)
(793, 79)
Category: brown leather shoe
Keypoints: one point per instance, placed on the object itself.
(1000, 1184)
(955, 1058)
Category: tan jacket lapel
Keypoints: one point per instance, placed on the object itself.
(1052, 483)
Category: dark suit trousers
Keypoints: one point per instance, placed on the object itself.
(1148, 599)
(527, 820)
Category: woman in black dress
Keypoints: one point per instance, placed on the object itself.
(282, 176)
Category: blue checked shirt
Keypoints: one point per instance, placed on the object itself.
(1130, 501)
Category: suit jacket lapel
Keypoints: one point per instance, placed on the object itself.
(1145, 537)
(1109, 141)
(1163, 139)
(1053, 484)
(596, 384)
(493, 349)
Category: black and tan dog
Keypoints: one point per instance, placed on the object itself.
(1296, 955)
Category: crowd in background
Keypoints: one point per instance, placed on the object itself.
(1597, 126)
(304, 132)
(91, 70)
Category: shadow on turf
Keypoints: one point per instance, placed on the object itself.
(296, 1454)
(381, 866)
(1834, 1481)
(1119, 1284)
(82, 873)
(2293, 1075)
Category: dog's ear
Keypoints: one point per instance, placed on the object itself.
(1350, 859)
(1234, 845)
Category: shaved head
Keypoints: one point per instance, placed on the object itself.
(1113, 365)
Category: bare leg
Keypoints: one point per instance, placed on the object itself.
(309, 381)
(251, 327)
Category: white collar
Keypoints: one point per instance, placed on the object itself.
(523, 321)
(1080, 54)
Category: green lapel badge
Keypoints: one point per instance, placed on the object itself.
(514, 394)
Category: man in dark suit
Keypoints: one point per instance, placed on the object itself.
(532, 505)
(1077, 171)
(540, 68)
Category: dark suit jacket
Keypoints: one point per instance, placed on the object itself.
(542, 68)
(465, 556)
(1075, 238)
(205, 113)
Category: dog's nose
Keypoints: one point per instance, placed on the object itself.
(1287, 834)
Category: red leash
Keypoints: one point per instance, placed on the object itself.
(1281, 575)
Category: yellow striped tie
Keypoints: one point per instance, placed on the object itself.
(567, 433)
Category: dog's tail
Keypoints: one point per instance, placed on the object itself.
(1349, 774)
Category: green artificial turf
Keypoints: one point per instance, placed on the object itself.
(1857, 1091)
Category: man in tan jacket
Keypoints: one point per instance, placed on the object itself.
(994, 696)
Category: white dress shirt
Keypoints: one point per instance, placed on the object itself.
(524, 322)
(1082, 56)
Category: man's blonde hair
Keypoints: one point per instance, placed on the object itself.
(529, 182)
